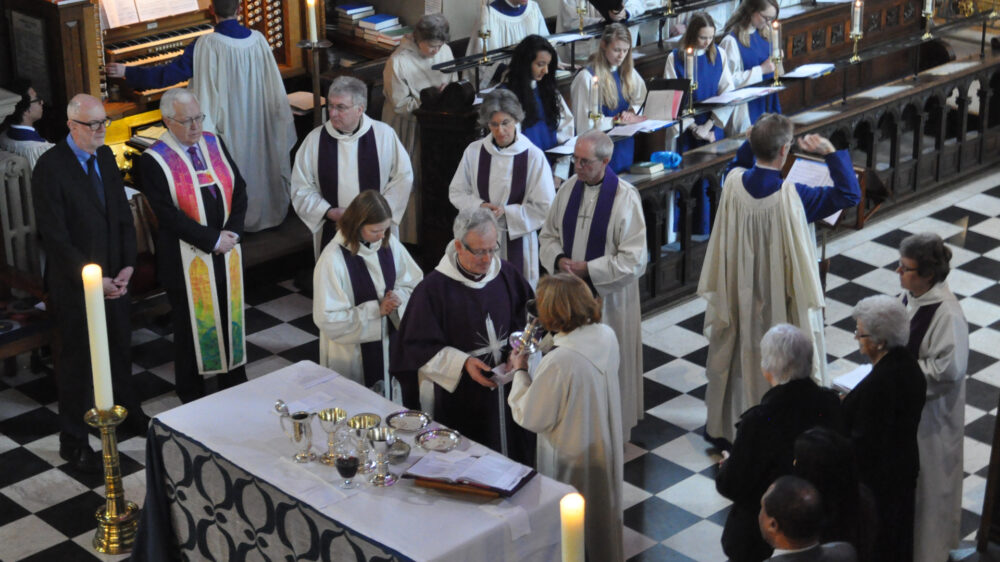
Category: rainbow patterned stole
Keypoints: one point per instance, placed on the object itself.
(199, 276)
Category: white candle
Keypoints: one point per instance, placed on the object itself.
(97, 331)
(595, 96)
(582, 5)
(571, 509)
(482, 19)
(858, 7)
(689, 69)
(928, 6)
(311, 19)
(775, 40)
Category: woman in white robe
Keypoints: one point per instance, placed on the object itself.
(506, 23)
(344, 323)
(939, 339)
(517, 176)
(572, 403)
(408, 72)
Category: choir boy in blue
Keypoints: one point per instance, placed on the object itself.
(713, 77)
(547, 120)
(507, 22)
(17, 132)
(455, 330)
(747, 44)
(612, 86)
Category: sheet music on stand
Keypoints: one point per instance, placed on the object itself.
(814, 174)
(116, 13)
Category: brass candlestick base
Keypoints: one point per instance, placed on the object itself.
(581, 12)
(484, 35)
(118, 519)
(928, 16)
(856, 37)
(690, 107)
(670, 9)
(595, 120)
(777, 65)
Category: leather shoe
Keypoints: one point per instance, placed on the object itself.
(82, 458)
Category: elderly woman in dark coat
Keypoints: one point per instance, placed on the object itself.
(765, 436)
(882, 414)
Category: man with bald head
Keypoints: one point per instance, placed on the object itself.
(596, 231)
(83, 217)
(200, 201)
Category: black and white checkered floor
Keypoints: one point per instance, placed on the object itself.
(672, 509)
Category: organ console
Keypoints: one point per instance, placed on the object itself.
(63, 48)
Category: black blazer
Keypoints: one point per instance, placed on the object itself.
(174, 225)
(75, 229)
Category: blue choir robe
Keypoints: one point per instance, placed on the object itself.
(744, 64)
(624, 152)
(544, 136)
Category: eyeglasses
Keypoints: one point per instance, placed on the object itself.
(584, 161)
(36, 100)
(94, 125)
(197, 119)
(860, 336)
(482, 253)
(505, 124)
(902, 268)
(339, 108)
(768, 19)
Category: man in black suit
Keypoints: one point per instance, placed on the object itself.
(790, 520)
(200, 201)
(83, 216)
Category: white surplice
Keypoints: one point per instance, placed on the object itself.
(29, 149)
(521, 220)
(345, 325)
(504, 31)
(943, 357)
(395, 174)
(741, 76)
(568, 20)
(244, 100)
(581, 100)
(615, 275)
(760, 270)
(406, 74)
(572, 403)
(734, 119)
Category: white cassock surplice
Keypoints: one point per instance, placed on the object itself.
(406, 74)
(760, 270)
(943, 357)
(244, 100)
(521, 221)
(29, 149)
(345, 325)
(505, 31)
(568, 20)
(615, 275)
(572, 403)
(395, 174)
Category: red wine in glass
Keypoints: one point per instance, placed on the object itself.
(347, 466)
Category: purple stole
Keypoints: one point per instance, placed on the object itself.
(518, 187)
(368, 172)
(919, 324)
(364, 290)
(598, 225)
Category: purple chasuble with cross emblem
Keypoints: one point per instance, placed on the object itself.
(329, 184)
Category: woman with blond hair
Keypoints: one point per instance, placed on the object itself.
(361, 285)
(747, 44)
(572, 402)
(619, 92)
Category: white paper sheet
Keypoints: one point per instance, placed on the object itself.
(848, 381)
(884, 91)
(950, 68)
(742, 94)
(809, 172)
(643, 127)
(156, 9)
(812, 116)
(563, 38)
(564, 148)
(663, 104)
(810, 70)
(117, 13)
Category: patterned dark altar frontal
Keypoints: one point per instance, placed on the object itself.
(201, 506)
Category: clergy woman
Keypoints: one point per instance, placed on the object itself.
(532, 77)
(939, 339)
(881, 416)
(406, 74)
(609, 86)
(747, 45)
(571, 401)
(361, 284)
(507, 174)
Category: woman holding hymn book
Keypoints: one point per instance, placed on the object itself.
(572, 402)
(747, 44)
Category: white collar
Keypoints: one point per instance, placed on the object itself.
(366, 123)
(937, 293)
(25, 127)
(448, 266)
(534, 84)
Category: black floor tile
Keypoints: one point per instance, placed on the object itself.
(653, 358)
(255, 352)
(848, 324)
(698, 357)
(307, 351)
(654, 393)
(695, 323)
(660, 553)
(651, 432)
(258, 320)
(41, 390)
(147, 385)
(973, 241)
(892, 239)
(850, 293)
(153, 353)
(65, 516)
(719, 517)
(654, 473)
(983, 266)
(18, 464)
(306, 324)
(10, 510)
(67, 551)
(978, 362)
(982, 429)
(990, 294)
(31, 425)
(260, 293)
(658, 519)
(969, 524)
(127, 464)
(699, 392)
(959, 216)
(981, 395)
(848, 268)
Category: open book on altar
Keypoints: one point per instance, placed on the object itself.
(491, 472)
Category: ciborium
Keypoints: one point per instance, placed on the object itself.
(528, 338)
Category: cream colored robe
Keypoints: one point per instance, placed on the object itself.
(241, 93)
(579, 93)
(521, 220)
(943, 357)
(760, 270)
(394, 172)
(615, 275)
(29, 149)
(345, 325)
(406, 73)
(505, 31)
(568, 20)
(572, 403)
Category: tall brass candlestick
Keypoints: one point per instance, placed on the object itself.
(776, 50)
(581, 12)
(118, 519)
(928, 14)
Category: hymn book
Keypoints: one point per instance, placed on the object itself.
(492, 472)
